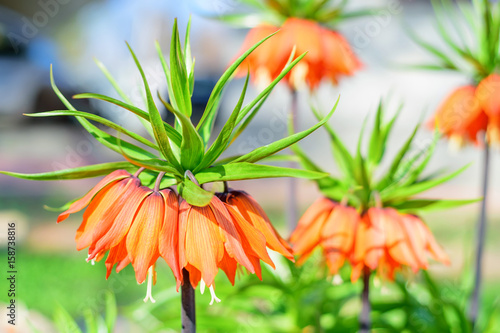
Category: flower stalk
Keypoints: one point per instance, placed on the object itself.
(364, 317)
(474, 301)
(188, 310)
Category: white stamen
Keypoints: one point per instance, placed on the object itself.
(92, 261)
(337, 280)
(214, 297)
(149, 295)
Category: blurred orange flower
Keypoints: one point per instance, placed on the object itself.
(488, 96)
(329, 54)
(469, 111)
(331, 226)
(382, 239)
(460, 116)
(386, 240)
(231, 230)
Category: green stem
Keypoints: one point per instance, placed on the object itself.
(292, 202)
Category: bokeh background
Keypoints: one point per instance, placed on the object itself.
(69, 34)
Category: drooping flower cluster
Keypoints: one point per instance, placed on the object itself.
(471, 110)
(329, 54)
(380, 238)
(372, 222)
(136, 225)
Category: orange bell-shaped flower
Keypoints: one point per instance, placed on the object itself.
(460, 117)
(488, 97)
(329, 54)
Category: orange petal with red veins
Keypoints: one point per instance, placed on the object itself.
(334, 259)
(229, 233)
(370, 239)
(85, 200)
(433, 247)
(252, 240)
(397, 243)
(194, 276)
(121, 224)
(460, 115)
(229, 266)
(203, 245)
(416, 238)
(117, 254)
(169, 234)
(488, 95)
(251, 211)
(96, 213)
(311, 216)
(356, 271)
(184, 210)
(142, 238)
(339, 229)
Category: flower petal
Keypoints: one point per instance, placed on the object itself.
(229, 233)
(169, 234)
(142, 238)
(121, 223)
(85, 200)
(203, 244)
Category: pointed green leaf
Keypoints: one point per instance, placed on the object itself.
(224, 137)
(171, 132)
(420, 205)
(111, 311)
(375, 149)
(193, 194)
(155, 118)
(443, 57)
(341, 155)
(90, 321)
(262, 152)
(192, 147)
(248, 119)
(264, 93)
(389, 177)
(122, 94)
(179, 75)
(61, 208)
(64, 322)
(152, 164)
(206, 122)
(360, 169)
(414, 172)
(244, 170)
(105, 138)
(89, 171)
(96, 118)
(403, 193)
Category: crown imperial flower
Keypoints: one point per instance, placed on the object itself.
(372, 223)
(138, 218)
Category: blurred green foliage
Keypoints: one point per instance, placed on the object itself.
(290, 299)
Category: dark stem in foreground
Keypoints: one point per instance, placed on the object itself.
(188, 311)
(364, 318)
(474, 301)
(292, 202)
